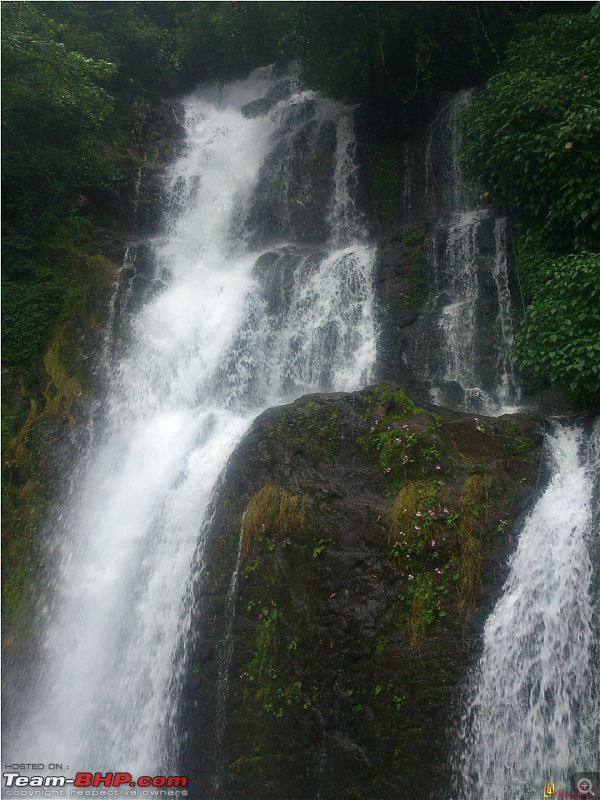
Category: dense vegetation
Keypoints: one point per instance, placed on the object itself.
(533, 137)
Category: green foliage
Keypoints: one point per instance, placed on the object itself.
(396, 403)
(77, 79)
(425, 604)
(27, 312)
(53, 107)
(560, 336)
(261, 670)
(222, 40)
(268, 687)
(533, 136)
(416, 524)
(396, 442)
(383, 53)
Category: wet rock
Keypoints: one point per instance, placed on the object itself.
(339, 666)
(258, 108)
(295, 182)
(282, 90)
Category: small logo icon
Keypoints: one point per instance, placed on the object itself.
(586, 787)
(549, 790)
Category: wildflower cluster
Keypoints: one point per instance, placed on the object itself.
(416, 536)
(394, 444)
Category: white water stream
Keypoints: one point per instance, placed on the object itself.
(533, 715)
(459, 260)
(209, 351)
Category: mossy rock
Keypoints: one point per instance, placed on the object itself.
(348, 640)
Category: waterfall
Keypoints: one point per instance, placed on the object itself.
(532, 714)
(471, 306)
(262, 292)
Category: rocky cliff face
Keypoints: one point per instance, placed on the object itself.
(358, 542)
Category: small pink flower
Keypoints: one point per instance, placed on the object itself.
(433, 542)
(411, 577)
(398, 441)
(431, 513)
(438, 467)
(478, 427)
(418, 514)
(417, 528)
(446, 511)
(438, 571)
(389, 469)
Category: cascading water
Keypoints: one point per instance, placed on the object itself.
(474, 327)
(532, 715)
(255, 307)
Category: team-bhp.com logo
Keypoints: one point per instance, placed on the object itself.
(93, 779)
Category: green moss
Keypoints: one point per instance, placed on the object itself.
(473, 505)
(394, 403)
(412, 235)
(423, 606)
(272, 512)
(416, 526)
(63, 389)
(394, 438)
(381, 645)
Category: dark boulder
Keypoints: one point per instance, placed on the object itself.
(373, 541)
(258, 108)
